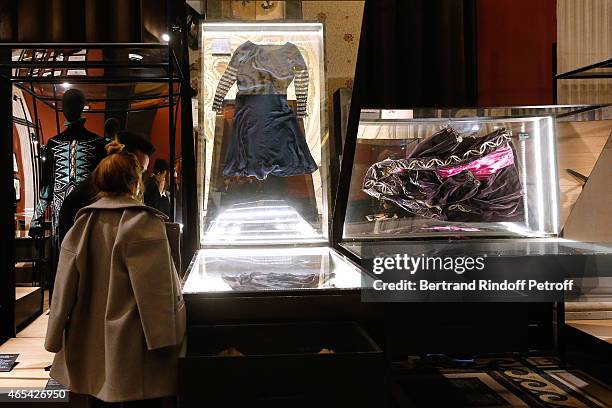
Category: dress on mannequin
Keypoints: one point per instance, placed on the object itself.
(69, 158)
(266, 137)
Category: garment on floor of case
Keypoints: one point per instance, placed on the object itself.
(453, 177)
(272, 280)
(266, 137)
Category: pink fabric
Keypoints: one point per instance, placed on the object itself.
(485, 166)
(451, 229)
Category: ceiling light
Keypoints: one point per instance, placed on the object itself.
(165, 37)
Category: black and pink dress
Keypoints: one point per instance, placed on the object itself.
(453, 177)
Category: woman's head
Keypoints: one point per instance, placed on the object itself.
(119, 173)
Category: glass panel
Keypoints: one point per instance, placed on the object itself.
(270, 269)
(262, 153)
(437, 173)
(489, 248)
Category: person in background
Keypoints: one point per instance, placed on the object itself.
(155, 194)
(117, 316)
(112, 128)
(86, 193)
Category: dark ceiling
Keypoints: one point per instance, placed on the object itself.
(84, 20)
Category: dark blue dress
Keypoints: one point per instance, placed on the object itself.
(266, 137)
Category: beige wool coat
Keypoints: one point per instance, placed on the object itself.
(117, 314)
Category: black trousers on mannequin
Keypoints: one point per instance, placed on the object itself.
(53, 261)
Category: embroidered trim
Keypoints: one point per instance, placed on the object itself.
(459, 207)
(400, 166)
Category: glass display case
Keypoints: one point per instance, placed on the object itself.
(263, 171)
(491, 182)
(429, 173)
(263, 151)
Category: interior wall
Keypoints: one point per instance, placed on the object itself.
(23, 150)
(160, 138)
(584, 30)
(46, 115)
(579, 145)
(591, 218)
(515, 42)
(18, 154)
(342, 21)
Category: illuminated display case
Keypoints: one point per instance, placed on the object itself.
(467, 181)
(236, 201)
(264, 190)
(435, 173)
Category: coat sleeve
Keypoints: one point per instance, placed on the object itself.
(64, 297)
(159, 301)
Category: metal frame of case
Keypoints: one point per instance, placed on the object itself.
(24, 74)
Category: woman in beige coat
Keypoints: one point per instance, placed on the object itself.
(117, 314)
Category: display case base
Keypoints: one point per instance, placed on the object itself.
(282, 365)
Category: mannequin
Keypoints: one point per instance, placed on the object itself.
(68, 159)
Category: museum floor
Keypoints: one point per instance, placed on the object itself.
(431, 381)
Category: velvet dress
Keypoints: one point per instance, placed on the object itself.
(453, 177)
(266, 137)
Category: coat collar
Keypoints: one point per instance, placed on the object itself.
(120, 203)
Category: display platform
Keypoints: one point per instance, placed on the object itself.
(265, 252)
(272, 284)
(279, 365)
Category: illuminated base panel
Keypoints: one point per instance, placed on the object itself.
(270, 269)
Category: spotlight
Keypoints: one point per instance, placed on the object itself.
(165, 37)
(66, 85)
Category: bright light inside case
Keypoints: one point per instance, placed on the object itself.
(253, 222)
(269, 269)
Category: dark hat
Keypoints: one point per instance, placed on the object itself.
(134, 142)
(160, 166)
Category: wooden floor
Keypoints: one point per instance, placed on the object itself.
(29, 344)
(33, 358)
(600, 328)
